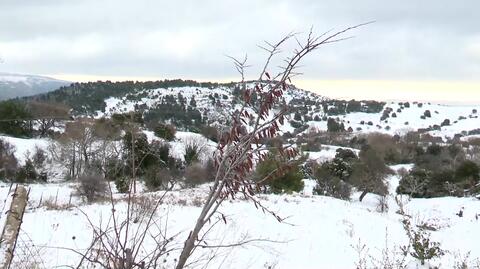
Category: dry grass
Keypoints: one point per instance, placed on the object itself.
(51, 204)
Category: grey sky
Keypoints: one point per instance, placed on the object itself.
(411, 40)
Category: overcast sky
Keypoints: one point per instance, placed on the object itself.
(417, 44)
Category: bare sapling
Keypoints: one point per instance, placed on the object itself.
(242, 146)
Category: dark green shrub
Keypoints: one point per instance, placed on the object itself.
(334, 126)
(434, 149)
(193, 150)
(13, 119)
(467, 170)
(297, 116)
(329, 184)
(157, 178)
(414, 183)
(424, 248)
(122, 184)
(165, 131)
(39, 157)
(296, 124)
(288, 181)
(26, 173)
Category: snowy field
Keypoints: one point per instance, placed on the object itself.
(319, 232)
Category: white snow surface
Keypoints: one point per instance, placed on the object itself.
(25, 147)
(410, 120)
(319, 232)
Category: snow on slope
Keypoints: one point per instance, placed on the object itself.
(150, 98)
(461, 119)
(23, 147)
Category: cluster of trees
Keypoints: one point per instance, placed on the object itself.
(366, 172)
(106, 149)
(22, 119)
(341, 107)
(177, 112)
(441, 171)
(12, 170)
(334, 126)
(87, 98)
(117, 150)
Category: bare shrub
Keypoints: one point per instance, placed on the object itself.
(8, 161)
(197, 201)
(382, 204)
(51, 204)
(420, 246)
(369, 173)
(196, 174)
(391, 257)
(92, 187)
(465, 262)
(39, 157)
(142, 207)
(402, 172)
(210, 132)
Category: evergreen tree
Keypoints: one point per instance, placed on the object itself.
(14, 119)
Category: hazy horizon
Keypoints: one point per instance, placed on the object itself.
(389, 91)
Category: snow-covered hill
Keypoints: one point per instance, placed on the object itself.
(15, 85)
(440, 120)
(461, 119)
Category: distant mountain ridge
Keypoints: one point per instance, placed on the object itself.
(19, 85)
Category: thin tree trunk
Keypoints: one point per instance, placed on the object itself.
(363, 195)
